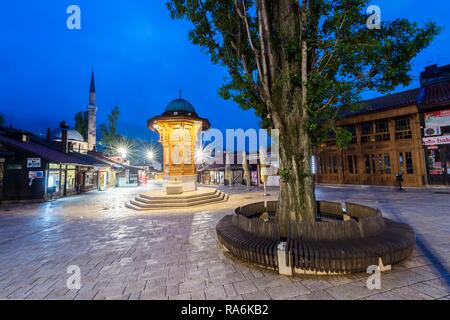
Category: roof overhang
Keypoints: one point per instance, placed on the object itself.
(164, 118)
(378, 115)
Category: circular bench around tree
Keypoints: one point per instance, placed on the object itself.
(346, 238)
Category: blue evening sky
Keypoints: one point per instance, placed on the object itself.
(141, 59)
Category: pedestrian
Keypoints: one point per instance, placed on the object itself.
(399, 177)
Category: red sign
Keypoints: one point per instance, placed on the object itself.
(436, 140)
(437, 119)
(438, 114)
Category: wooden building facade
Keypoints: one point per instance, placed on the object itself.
(386, 141)
(405, 133)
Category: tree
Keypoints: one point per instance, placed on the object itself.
(81, 124)
(2, 120)
(109, 134)
(298, 63)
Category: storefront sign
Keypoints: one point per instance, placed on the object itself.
(437, 119)
(36, 174)
(32, 175)
(436, 140)
(33, 162)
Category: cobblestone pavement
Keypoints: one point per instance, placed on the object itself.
(124, 254)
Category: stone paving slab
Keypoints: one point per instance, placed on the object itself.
(175, 255)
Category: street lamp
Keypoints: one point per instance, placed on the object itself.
(123, 152)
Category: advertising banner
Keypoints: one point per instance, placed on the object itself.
(437, 119)
(430, 141)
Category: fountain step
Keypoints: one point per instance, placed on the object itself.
(217, 197)
(177, 201)
(188, 195)
(203, 196)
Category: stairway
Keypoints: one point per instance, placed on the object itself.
(161, 201)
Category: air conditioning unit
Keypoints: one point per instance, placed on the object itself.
(436, 131)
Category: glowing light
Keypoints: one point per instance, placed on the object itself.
(199, 154)
(204, 157)
(150, 155)
(123, 151)
(313, 165)
(51, 181)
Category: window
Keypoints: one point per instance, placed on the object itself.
(331, 140)
(382, 126)
(366, 129)
(352, 130)
(409, 163)
(382, 130)
(352, 163)
(370, 162)
(89, 179)
(380, 163)
(387, 164)
(384, 163)
(367, 163)
(366, 132)
(333, 165)
(335, 169)
(373, 163)
(71, 178)
(402, 129)
(406, 160)
(54, 178)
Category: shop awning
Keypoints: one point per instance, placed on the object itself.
(92, 160)
(42, 151)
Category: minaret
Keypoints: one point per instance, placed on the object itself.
(92, 116)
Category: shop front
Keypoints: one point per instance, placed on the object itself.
(87, 179)
(438, 160)
(437, 146)
(106, 179)
(131, 176)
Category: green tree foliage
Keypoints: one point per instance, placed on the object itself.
(2, 120)
(298, 63)
(108, 131)
(81, 123)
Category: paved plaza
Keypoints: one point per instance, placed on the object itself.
(123, 254)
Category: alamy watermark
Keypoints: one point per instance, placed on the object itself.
(73, 282)
(73, 21)
(374, 19)
(212, 147)
(374, 280)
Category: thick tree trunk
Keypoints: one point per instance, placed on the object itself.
(297, 199)
(290, 99)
